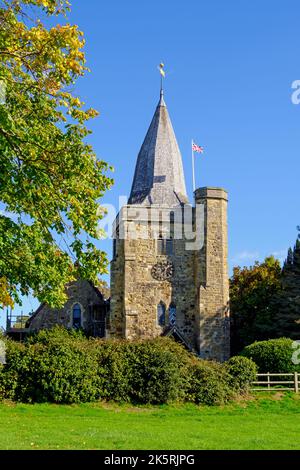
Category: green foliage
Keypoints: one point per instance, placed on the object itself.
(63, 366)
(208, 383)
(114, 369)
(274, 355)
(9, 376)
(252, 291)
(141, 371)
(50, 180)
(155, 374)
(242, 372)
(265, 301)
(57, 334)
(287, 300)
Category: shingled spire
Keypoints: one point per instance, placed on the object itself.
(159, 177)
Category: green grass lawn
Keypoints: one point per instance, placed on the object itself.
(264, 422)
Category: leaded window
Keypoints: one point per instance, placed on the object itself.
(172, 314)
(76, 316)
(161, 314)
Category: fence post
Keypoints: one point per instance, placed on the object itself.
(268, 379)
(296, 382)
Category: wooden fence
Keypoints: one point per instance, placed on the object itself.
(276, 382)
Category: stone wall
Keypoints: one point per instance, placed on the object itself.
(134, 314)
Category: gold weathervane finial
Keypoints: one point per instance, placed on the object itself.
(162, 75)
(161, 69)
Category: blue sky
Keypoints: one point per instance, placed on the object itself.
(230, 66)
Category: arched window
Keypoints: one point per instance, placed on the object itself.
(161, 314)
(172, 314)
(76, 316)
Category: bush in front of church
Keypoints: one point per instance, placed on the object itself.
(141, 371)
(156, 376)
(62, 366)
(242, 372)
(209, 383)
(9, 377)
(275, 355)
(113, 370)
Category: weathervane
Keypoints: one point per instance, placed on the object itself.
(162, 75)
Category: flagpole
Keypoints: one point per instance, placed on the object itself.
(193, 167)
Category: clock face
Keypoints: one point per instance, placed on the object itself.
(163, 271)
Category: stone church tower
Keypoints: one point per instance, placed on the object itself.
(169, 269)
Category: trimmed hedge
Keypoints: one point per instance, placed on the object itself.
(274, 355)
(62, 366)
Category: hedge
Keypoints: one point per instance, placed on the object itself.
(274, 355)
(62, 366)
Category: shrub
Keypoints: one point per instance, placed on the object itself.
(141, 371)
(8, 383)
(65, 373)
(9, 377)
(242, 372)
(113, 370)
(57, 334)
(63, 366)
(208, 383)
(274, 355)
(155, 374)
(53, 370)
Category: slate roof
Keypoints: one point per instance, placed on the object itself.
(159, 177)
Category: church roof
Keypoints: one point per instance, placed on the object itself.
(159, 177)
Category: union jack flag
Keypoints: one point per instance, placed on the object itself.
(197, 148)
